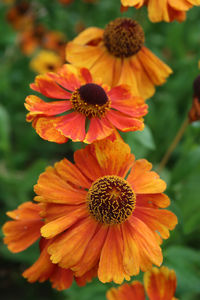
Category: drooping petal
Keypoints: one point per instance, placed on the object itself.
(24, 230)
(98, 130)
(45, 128)
(69, 247)
(111, 262)
(72, 126)
(153, 200)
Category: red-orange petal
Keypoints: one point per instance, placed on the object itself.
(25, 229)
(135, 291)
(98, 130)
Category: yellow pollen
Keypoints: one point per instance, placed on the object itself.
(90, 110)
(123, 37)
(111, 200)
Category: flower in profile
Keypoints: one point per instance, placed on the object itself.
(46, 61)
(88, 111)
(159, 284)
(120, 50)
(105, 200)
(194, 113)
(22, 232)
(159, 10)
(20, 15)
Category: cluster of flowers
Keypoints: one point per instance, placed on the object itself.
(105, 214)
(45, 47)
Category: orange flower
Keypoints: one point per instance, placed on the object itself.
(106, 200)
(160, 284)
(31, 39)
(90, 110)
(120, 51)
(159, 10)
(56, 41)
(46, 61)
(20, 15)
(22, 232)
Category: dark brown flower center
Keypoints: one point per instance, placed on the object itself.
(111, 200)
(91, 100)
(123, 37)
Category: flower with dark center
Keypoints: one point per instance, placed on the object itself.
(88, 111)
(117, 55)
(159, 10)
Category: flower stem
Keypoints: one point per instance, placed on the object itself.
(173, 145)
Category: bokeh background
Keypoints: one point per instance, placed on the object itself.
(24, 155)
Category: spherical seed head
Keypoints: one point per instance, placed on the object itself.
(123, 37)
(111, 200)
(92, 93)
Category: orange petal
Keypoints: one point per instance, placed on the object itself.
(83, 56)
(124, 122)
(54, 189)
(25, 229)
(111, 262)
(92, 252)
(131, 256)
(98, 130)
(157, 70)
(72, 126)
(42, 269)
(146, 240)
(114, 158)
(70, 173)
(62, 223)
(48, 87)
(135, 291)
(69, 247)
(61, 279)
(89, 34)
(154, 200)
(37, 106)
(160, 283)
(143, 181)
(44, 127)
(158, 11)
(157, 220)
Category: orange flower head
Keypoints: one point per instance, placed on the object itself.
(46, 61)
(159, 284)
(121, 47)
(56, 41)
(90, 110)
(159, 10)
(32, 38)
(194, 113)
(20, 16)
(105, 200)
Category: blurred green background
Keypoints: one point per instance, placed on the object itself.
(24, 155)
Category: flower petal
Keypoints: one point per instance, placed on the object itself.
(52, 188)
(98, 130)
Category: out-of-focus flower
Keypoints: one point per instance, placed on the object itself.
(56, 41)
(120, 50)
(105, 201)
(159, 10)
(31, 39)
(159, 284)
(22, 232)
(194, 113)
(89, 110)
(21, 16)
(46, 61)
(65, 1)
